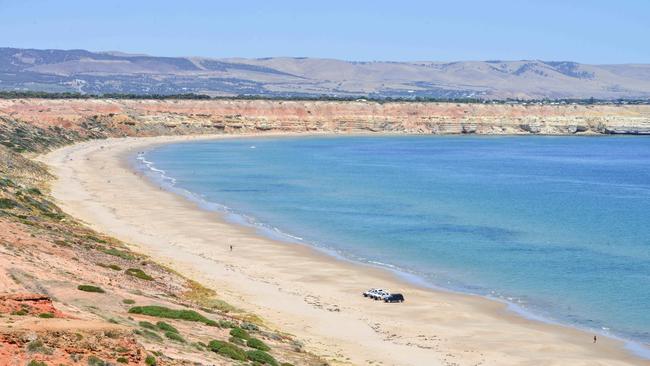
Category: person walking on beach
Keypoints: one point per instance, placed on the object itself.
(231, 247)
(595, 339)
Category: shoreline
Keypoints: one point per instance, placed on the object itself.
(435, 326)
(160, 178)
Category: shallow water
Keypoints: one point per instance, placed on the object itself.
(559, 226)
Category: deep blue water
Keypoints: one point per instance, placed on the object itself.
(557, 225)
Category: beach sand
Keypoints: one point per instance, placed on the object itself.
(303, 291)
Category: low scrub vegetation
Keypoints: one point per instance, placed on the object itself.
(46, 315)
(136, 272)
(261, 357)
(166, 327)
(175, 337)
(119, 253)
(228, 350)
(150, 360)
(34, 191)
(237, 341)
(7, 203)
(226, 324)
(148, 334)
(146, 324)
(163, 312)
(90, 288)
(257, 344)
(239, 333)
(205, 298)
(37, 346)
(96, 361)
(114, 267)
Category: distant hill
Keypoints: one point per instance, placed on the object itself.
(115, 72)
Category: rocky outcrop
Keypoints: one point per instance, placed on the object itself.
(25, 303)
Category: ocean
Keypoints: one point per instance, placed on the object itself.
(559, 227)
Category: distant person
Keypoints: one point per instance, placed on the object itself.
(595, 339)
(231, 248)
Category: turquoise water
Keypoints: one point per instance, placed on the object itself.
(558, 226)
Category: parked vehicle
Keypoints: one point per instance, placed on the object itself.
(371, 292)
(380, 295)
(376, 293)
(394, 298)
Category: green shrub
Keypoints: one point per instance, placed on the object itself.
(90, 288)
(145, 324)
(174, 336)
(163, 312)
(7, 203)
(239, 333)
(237, 341)
(122, 360)
(95, 361)
(228, 350)
(166, 327)
(6, 182)
(37, 346)
(128, 301)
(119, 253)
(258, 344)
(35, 191)
(226, 324)
(20, 312)
(136, 272)
(114, 267)
(36, 363)
(151, 335)
(216, 344)
(261, 357)
(46, 315)
(150, 360)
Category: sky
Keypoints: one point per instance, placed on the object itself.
(596, 32)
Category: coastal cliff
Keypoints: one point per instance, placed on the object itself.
(64, 121)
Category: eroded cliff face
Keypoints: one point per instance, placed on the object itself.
(75, 119)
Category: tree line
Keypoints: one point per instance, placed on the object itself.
(193, 96)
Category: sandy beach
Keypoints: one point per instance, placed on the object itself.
(301, 290)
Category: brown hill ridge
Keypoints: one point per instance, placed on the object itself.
(102, 72)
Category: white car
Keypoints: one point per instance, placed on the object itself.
(376, 293)
(381, 295)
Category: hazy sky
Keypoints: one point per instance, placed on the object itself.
(585, 31)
